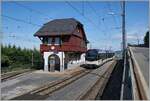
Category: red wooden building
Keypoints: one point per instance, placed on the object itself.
(63, 41)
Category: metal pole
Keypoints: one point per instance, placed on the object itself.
(123, 29)
(124, 50)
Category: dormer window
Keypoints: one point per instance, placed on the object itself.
(57, 40)
(51, 40)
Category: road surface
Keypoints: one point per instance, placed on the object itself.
(142, 57)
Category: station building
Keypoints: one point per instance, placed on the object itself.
(64, 43)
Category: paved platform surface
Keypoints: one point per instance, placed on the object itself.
(30, 81)
(142, 57)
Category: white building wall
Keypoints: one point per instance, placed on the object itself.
(71, 64)
(82, 58)
(61, 56)
(74, 64)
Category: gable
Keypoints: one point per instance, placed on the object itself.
(79, 31)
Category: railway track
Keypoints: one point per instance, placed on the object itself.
(48, 90)
(45, 90)
(14, 74)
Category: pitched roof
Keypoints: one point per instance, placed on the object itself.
(58, 27)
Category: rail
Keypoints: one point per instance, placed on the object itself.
(12, 74)
(51, 87)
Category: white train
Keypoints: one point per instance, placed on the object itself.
(94, 57)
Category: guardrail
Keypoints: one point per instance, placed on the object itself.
(140, 90)
(135, 91)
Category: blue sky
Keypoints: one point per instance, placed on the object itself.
(100, 26)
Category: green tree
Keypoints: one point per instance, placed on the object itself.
(146, 39)
(38, 62)
(13, 57)
(5, 62)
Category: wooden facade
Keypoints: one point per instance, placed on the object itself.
(75, 42)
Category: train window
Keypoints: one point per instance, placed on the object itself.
(92, 52)
(91, 55)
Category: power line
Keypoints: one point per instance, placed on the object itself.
(31, 9)
(113, 15)
(74, 8)
(110, 9)
(83, 7)
(21, 38)
(82, 14)
(20, 20)
(93, 10)
(11, 35)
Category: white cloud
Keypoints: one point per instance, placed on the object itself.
(130, 36)
(134, 37)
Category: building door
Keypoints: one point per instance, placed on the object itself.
(53, 63)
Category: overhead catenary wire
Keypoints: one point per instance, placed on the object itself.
(98, 15)
(17, 37)
(32, 10)
(108, 34)
(97, 27)
(21, 20)
(103, 18)
(82, 14)
(83, 8)
(20, 38)
(113, 14)
(94, 10)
